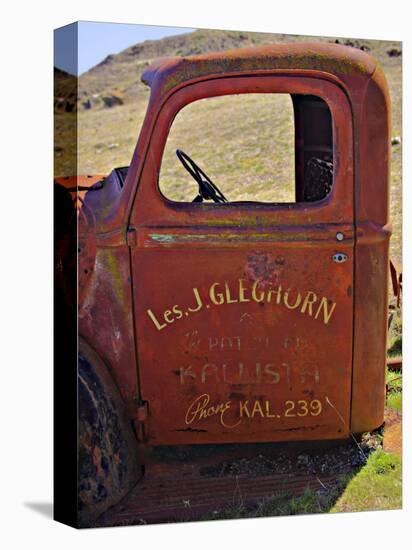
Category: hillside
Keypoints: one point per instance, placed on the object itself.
(111, 103)
(65, 91)
(120, 73)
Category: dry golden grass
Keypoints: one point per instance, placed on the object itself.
(244, 144)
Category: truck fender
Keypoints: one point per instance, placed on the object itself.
(108, 464)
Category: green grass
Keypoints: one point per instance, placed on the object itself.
(395, 337)
(310, 502)
(394, 401)
(393, 378)
(378, 486)
(394, 394)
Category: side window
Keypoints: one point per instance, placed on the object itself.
(259, 147)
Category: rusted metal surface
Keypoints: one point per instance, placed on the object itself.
(108, 462)
(248, 322)
(237, 367)
(241, 315)
(341, 62)
(189, 484)
(158, 500)
(394, 363)
(78, 185)
(348, 68)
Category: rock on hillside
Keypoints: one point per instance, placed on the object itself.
(65, 91)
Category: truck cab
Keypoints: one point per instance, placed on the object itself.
(221, 320)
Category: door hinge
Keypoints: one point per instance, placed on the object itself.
(140, 418)
(131, 237)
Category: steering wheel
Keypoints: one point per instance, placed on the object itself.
(207, 189)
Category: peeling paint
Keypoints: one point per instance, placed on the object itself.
(326, 58)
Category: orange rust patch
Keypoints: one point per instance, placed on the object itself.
(329, 58)
(392, 439)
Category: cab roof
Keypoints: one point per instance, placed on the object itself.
(343, 62)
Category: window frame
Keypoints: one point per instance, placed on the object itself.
(336, 206)
(206, 169)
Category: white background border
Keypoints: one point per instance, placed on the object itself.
(26, 270)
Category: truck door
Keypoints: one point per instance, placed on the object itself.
(244, 309)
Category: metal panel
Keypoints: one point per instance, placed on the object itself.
(177, 248)
(244, 319)
(247, 342)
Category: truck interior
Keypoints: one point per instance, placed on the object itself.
(298, 162)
